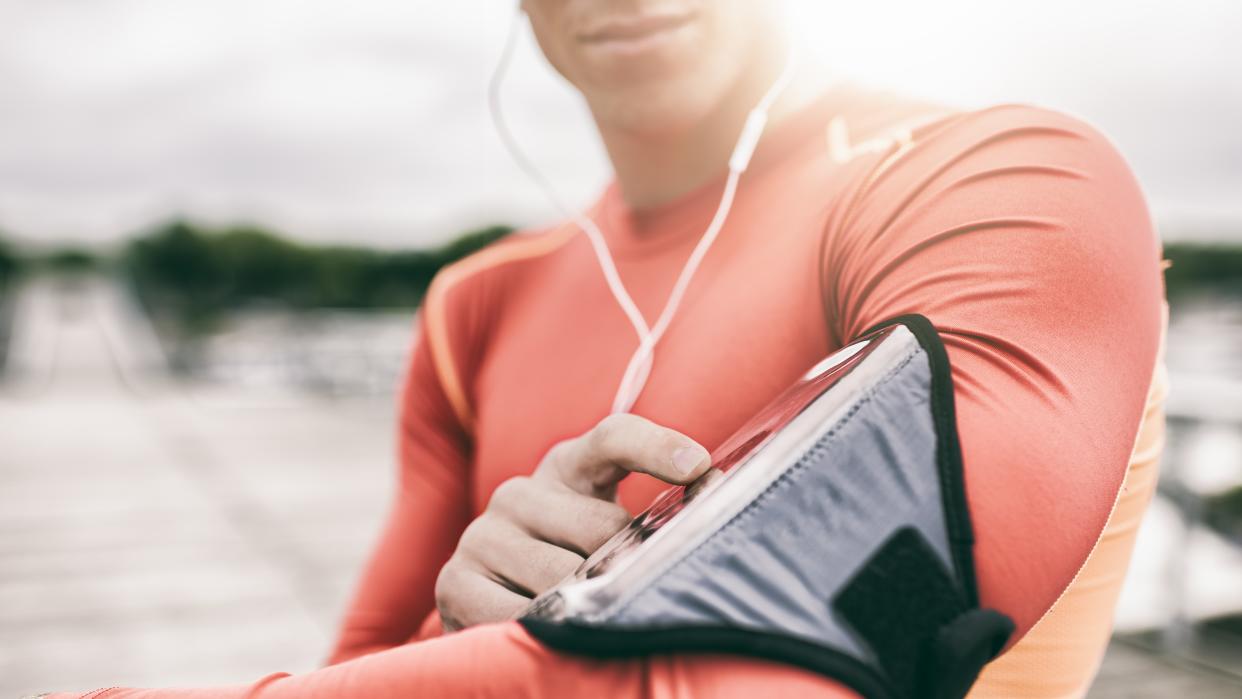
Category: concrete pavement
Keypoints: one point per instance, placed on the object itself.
(154, 534)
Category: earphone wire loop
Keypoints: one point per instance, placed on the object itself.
(528, 167)
(631, 386)
(638, 369)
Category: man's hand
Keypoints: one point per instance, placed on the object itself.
(538, 529)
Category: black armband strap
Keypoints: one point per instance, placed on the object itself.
(832, 534)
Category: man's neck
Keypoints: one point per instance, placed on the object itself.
(655, 169)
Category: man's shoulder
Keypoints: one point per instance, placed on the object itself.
(503, 258)
(909, 144)
(1026, 132)
(460, 307)
(1022, 118)
(882, 119)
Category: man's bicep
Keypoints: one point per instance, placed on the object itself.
(1023, 237)
(429, 510)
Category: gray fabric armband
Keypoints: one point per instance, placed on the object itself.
(832, 534)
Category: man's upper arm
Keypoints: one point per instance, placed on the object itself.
(429, 511)
(1023, 236)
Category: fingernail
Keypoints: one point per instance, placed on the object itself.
(686, 458)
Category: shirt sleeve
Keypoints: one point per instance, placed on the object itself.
(1023, 236)
(502, 661)
(396, 594)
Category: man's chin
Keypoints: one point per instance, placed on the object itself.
(662, 107)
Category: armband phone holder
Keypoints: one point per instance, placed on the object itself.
(831, 533)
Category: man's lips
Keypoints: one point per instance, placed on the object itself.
(634, 28)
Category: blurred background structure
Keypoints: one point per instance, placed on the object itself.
(217, 221)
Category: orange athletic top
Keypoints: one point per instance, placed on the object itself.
(1020, 232)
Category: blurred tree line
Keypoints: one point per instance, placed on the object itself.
(1214, 268)
(9, 266)
(196, 273)
(9, 262)
(192, 275)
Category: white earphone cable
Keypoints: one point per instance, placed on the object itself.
(528, 167)
(638, 369)
(632, 382)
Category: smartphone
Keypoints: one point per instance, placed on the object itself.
(769, 444)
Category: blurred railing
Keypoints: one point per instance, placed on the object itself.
(1200, 410)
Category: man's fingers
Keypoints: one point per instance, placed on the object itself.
(538, 530)
(466, 597)
(594, 463)
(514, 558)
(558, 516)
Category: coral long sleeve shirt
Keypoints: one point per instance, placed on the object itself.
(1018, 231)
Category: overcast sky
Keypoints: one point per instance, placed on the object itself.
(366, 120)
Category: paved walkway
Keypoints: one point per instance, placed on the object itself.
(151, 535)
(1138, 667)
